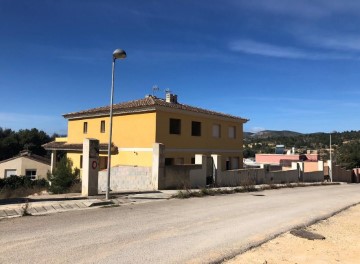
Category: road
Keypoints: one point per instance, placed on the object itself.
(197, 230)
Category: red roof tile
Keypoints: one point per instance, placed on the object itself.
(148, 103)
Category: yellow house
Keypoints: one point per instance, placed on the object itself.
(184, 130)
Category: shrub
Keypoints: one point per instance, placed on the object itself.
(63, 177)
(20, 186)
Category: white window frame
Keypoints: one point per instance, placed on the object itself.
(32, 176)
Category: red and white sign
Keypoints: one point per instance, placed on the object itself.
(94, 164)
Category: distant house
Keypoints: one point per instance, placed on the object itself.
(25, 164)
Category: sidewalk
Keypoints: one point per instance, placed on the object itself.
(47, 204)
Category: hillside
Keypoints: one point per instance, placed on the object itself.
(272, 134)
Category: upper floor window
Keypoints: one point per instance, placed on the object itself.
(85, 127)
(175, 126)
(102, 126)
(195, 128)
(232, 132)
(216, 131)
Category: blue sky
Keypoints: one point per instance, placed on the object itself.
(285, 65)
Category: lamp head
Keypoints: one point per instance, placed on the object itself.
(119, 54)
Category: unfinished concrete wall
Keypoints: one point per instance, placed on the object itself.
(313, 176)
(341, 175)
(186, 176)
(127, 178)
(240, 177)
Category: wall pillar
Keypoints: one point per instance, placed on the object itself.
(217, 170)
(299, 166)
(53, 160)
(158, 166)
(90, 167)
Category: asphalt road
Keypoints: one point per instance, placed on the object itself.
(197, 230)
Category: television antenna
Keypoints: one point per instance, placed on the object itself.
(155, 88)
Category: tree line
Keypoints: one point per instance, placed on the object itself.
(12, 142)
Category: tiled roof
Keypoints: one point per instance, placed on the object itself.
(30, 156)
(148, 103)
(53, 145)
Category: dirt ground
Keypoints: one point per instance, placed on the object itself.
(341, 244)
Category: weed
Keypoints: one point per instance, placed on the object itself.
(273, 186)
(25, 208)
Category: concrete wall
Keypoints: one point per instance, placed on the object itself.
(127, 178)
(183, 176)
(314, 176)
(341, 175)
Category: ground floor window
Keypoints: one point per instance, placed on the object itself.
(9, 173)
(31, 174)
(169, 161)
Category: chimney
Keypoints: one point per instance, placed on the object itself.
(171, 98)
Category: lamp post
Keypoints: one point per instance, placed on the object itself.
(117, 54)
(330, 167)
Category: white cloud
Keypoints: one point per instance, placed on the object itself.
(343, 42)
(264, 49)
(303, 8)
(258, 48)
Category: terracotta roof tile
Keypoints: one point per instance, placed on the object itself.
(53, 145)
(143, 104)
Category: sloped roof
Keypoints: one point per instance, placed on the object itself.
(146, 104)
(54, 145)
(30, 156)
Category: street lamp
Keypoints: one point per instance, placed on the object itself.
(117, 54)
(330, 167)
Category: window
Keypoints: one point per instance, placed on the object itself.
(192, 160)
(9, 173)
(85, 127)
(81, 161)
(232, 132)
(235, 163)
(227, 164)
(175, 126)
(196, 128)
(31, 174)
(102, 126)
(216, 131)
(169, 161)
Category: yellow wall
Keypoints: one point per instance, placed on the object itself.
(133, 130)
(187, 145)
(131, 133)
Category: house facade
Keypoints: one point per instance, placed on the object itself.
(184, 130)
(25, 164)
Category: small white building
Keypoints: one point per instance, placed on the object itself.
(25, 164)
